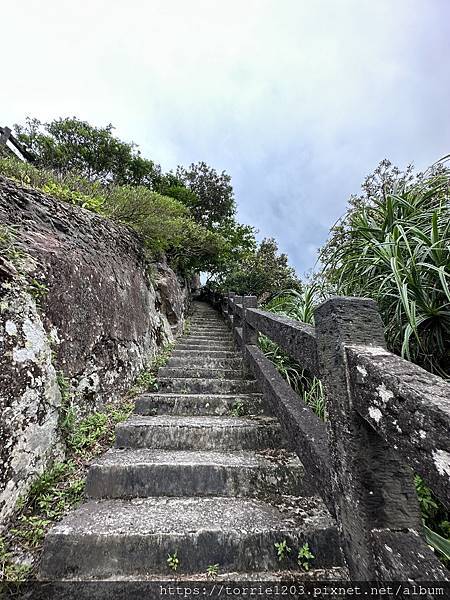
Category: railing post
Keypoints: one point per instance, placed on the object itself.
(5, 134)
(229, 305)
(373, 490)
(237, 322)
(249, 335)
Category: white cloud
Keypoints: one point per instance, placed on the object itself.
(297, 100)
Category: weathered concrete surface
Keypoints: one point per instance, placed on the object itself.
(203, 372)
(199, 433)
(305, 431)
(123, 473)
(136, 536)
(198, 404)
(185, 350)
(409, 407)
(96, 322)
(402, 556)
(194, 385)
(205, 362)
(295, 338)
(372, 488)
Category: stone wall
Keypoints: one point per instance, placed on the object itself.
(83, 307)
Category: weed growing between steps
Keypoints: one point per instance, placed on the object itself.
(239, 409)
(173, 561)
(212, 571)
(187, 326)
(146, 380)
(304, 554)
(61, 487)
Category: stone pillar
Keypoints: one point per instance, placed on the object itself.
(249, 335)
(229, 306)
(372, 488)
(237, 321)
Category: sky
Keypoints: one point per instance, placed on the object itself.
(298, 100)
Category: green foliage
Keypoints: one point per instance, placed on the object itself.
(283, 550)
(313, 394)
(173, 561)
(37, 289)
(165, 225)
(439, 543)
(187, 326)
(61, 486)
(211, 201)
(436, 520)
(10, 570)
(146, 381)
(304, 556)
(31, 530)
(393, 245)
(239, 409)
(11, 256)
(71, 145)
(212, 571)
(64, 192)
(262, 272)
(297, 304)
(188, 215)
(96, 431)
(286, 366)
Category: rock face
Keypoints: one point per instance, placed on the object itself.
(83, 310)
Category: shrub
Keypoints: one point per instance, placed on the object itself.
(393, 245)
(164, 223)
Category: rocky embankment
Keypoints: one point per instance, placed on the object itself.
(81, 312)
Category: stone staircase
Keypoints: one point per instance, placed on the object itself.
(200, 469)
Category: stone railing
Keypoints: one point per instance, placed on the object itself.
(386, 418)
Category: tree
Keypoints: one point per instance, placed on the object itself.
(212, 201)
(70, 145)
(262, 273)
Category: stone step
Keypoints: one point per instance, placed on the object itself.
(210, 335)
(198, 404)
(219, 327)
(196, 385)
(143, 585)
(204, 372)
(208, 320)
(141, 473)
(167, 432)
(111, 538)
(205, 362)
(196, 341)
(185, 351)
(216, 346)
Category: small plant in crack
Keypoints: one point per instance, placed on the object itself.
(283, 550)
(239, 409)
(37, 289)
(173, 561)
(212, 571)
(304, 556)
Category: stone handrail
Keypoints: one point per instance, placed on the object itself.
(386, 418)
